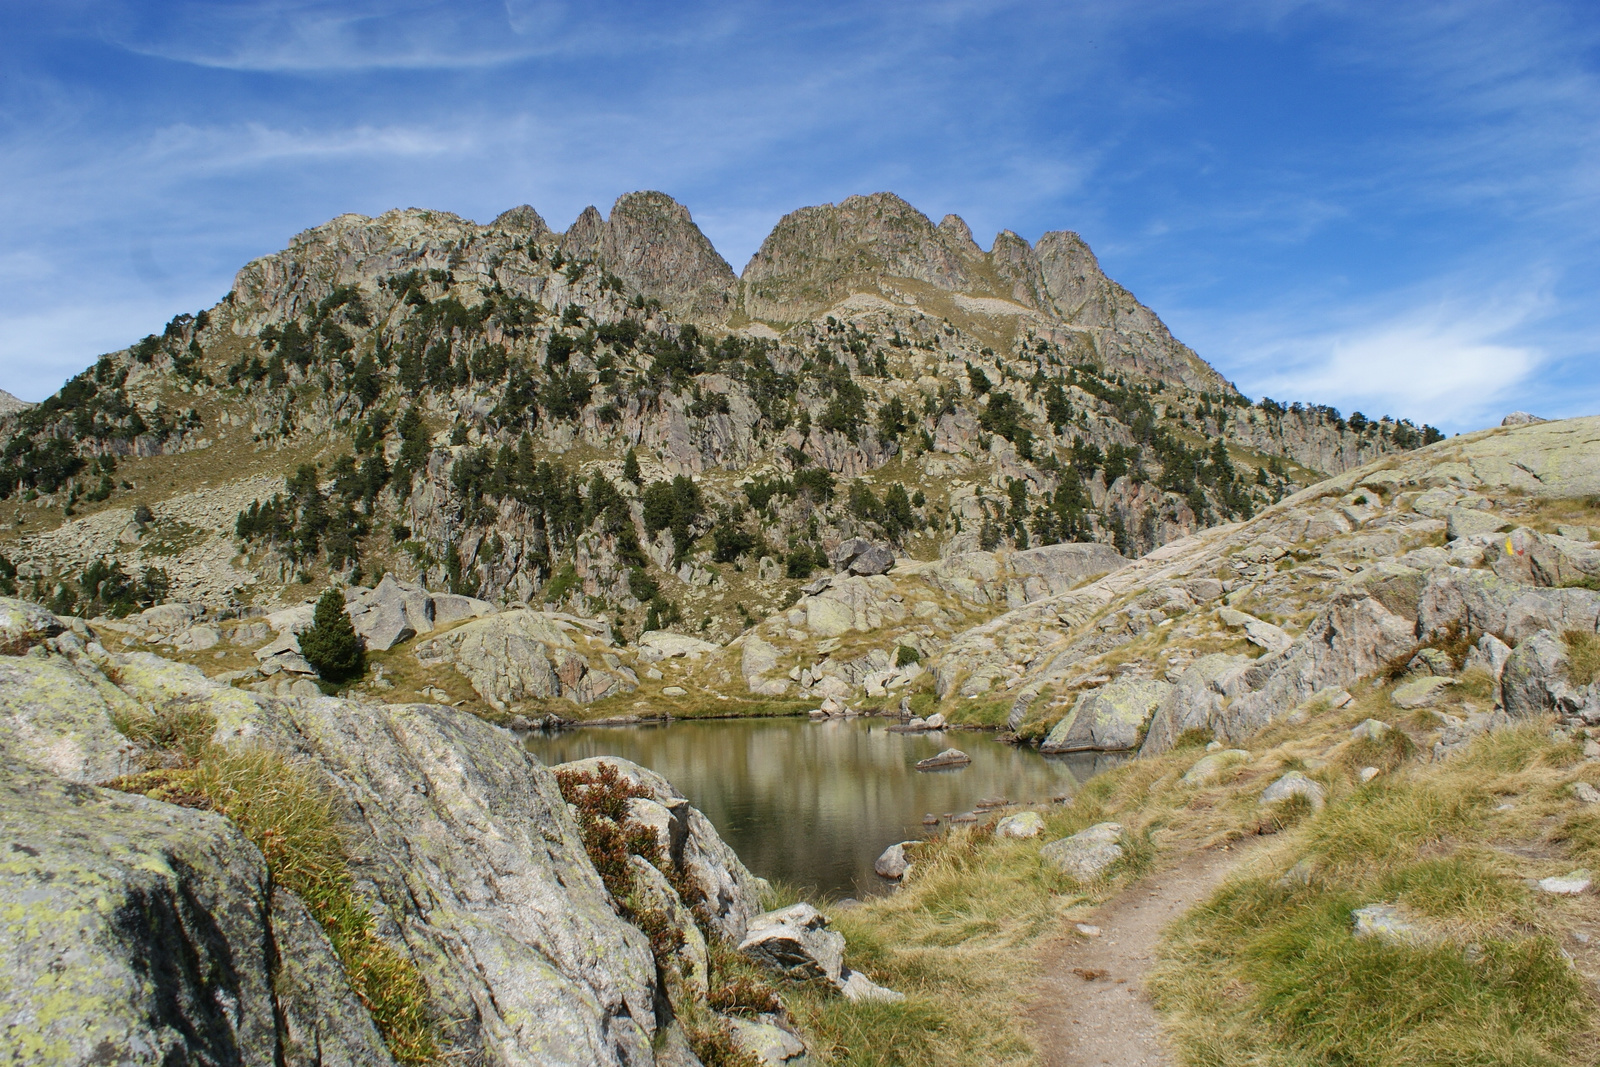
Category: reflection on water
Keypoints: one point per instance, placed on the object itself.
(815, 803)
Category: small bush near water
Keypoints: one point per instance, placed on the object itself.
(283, 808)
(610, 836)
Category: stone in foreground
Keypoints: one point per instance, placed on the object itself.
(858, 987)
(767, 1042)
(796, 941)
(1022, 824)
(1088, 853)
(1210, 767)
(1388, 924)
(1294, 784)
(1569, 885)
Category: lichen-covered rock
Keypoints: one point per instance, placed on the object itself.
(23, 625)
(522, 655)
(58, 713)
(459, 842)
(1087, 854)
(139, 932)
(1020, 824)
(796, 941)
(1295, 784)
(1109, 719)
(733, 894)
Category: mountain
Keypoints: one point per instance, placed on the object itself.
(10, 405)
(607, 422)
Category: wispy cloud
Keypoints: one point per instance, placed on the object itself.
(1452, 361)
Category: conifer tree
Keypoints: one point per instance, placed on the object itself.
(331, 643)
(630, 469)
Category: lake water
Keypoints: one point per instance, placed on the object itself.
(815, 803)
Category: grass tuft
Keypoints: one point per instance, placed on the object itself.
(284, 809)
(1583, 656)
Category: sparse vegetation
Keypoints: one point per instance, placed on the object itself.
(282, 806)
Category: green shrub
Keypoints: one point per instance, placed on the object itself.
(330, 643)
(905, 655)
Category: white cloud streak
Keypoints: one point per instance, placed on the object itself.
(1452, 361)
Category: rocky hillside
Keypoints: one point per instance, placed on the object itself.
(607, 424)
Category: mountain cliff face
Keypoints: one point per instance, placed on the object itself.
(817, 256)
(654, 246)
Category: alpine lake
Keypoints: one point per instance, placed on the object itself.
(813, 804)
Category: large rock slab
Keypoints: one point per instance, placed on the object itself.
(523, 655)
(139, 932)
(60, 717)
(1109, 719)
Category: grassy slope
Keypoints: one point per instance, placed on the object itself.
(1267, 972)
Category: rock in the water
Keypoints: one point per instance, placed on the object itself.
(796, 941)
(1211, 766)
(1569, 885)
(950, 757)
(1109, 719)
(893, 863)
(1088, 853)
(1021, 824)
(1294, 784)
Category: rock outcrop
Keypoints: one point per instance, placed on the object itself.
(459, 843)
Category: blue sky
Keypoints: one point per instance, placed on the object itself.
(1386, 207)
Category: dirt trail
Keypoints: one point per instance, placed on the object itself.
(1092, 1010)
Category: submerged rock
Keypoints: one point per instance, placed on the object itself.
(950, 757)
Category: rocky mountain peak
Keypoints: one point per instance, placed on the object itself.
(652, 243)
(9, 404)
(957, 227)
(816, 256)
(522, 218)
